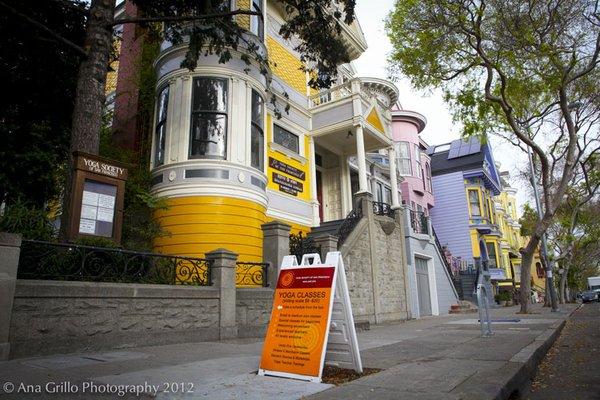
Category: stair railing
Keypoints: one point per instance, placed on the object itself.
(349, 224)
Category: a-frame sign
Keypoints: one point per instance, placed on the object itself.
(311, 321)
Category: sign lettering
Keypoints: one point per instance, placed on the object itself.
(288, 169)
(288, 185)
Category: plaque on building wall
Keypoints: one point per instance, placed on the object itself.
(288, 169)
(97, 197)
(288, 185)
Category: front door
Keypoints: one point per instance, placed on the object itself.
(423, 286)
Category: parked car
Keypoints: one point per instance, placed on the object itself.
(589, 296)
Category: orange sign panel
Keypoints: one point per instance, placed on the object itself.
(297, 335)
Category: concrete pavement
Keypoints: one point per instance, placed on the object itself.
(437, 357)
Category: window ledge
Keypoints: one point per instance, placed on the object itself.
(280, 149)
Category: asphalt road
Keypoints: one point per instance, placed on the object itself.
(571, 369)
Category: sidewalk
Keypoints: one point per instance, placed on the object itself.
(438, 357)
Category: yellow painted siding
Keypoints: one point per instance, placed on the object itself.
(374, 120)
(200, 224)
(305, 195)
(286, 66)
(243, 20)
(295, 228)
(475, 243)
(111, 76)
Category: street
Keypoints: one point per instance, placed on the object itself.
(571, 369)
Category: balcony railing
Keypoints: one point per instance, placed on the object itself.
(419, 222)
(380, 208)
(368, 88)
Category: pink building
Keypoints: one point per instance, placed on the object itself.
(413, 163)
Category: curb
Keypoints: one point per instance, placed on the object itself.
(516, 374)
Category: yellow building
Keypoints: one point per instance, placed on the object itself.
(227, 165)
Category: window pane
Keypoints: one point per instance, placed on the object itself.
(256, 22)
(257, 141)
(257, 108)
(209, 135)
(405, 167)
(161, 127)
(474, 202)
(209, 94)
(163, 100)
(403, 151)
(286, 139)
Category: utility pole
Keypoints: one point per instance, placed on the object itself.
(549, 267)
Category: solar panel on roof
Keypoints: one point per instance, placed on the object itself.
(454, 149)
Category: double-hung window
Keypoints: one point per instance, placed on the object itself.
(419, 171)
(404, 163)
(257, 136)
(208, 138)
(285, 138)
(160, 131)
(474, 203)
(428, 178)
(257, 25)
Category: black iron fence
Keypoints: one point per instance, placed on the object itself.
(300, 245)
(419, 222)
(251, 274)
(380, 208)
(70, 262)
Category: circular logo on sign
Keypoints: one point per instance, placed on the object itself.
(287, 278)
(309, 339)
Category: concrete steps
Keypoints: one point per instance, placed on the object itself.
(463, 307)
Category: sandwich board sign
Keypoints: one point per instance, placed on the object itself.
(311, 320)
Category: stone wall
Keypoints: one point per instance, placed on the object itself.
(374, 258)
(57, 317)
(253, 311)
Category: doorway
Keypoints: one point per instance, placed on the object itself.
(423, 291)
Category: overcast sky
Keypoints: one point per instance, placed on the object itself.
(440, 128)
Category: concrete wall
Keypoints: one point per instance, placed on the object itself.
(374, 258)
(60, 317)
(253, 311)
(64, 317)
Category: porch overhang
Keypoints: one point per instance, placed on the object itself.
(341, 138)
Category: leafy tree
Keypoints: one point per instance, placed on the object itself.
(210, 28)
(36, 108)
(528, 220)
(523, 69)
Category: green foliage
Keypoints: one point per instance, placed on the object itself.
(525, 52)
(318, 24)
(27, 219)
(96, 241)
(39, 79)
(528, 220)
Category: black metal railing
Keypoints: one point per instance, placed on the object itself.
(442, 251)
(300, 245)
(349, 224)
(419, 222)
(71, 262)
(380, 208)
(251, 274)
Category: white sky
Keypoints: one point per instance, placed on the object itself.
(440, 128)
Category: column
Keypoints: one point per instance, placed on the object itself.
(223, 275)
(10, 249)
(276, 244)
(313, 181)
(326, 244)
(361, 160)
(393, 177)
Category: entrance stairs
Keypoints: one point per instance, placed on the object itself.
(463, 307)
(327, 228)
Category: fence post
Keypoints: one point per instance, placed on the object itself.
(326, 243)
(276, 244)
(223, 275)
(10, 248)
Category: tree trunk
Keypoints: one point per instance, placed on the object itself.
(525, 295)
(90, 92)
(563, 284)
